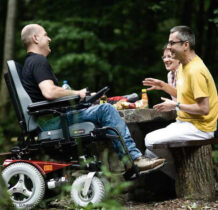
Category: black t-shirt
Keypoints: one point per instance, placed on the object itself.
(35, 70)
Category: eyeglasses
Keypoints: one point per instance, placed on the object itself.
(171, 43)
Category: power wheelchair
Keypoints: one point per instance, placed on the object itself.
(28, 177)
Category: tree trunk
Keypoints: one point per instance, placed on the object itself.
(8, 53)
(194, 168)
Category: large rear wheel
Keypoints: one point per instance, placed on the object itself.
(25, 183)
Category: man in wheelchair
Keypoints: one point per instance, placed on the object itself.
(41, 84)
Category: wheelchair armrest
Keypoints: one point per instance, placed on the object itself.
(54, 104)
(93, 98)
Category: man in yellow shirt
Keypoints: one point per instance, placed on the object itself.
(197, 102)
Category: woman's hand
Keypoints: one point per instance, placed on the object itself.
(155, 84)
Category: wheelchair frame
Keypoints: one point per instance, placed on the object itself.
(65, 139)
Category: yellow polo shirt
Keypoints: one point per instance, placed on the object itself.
(195, 81)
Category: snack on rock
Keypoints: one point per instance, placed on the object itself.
(118, 106)
(122, 104)
(141, 104)
(128, 105)
(132, 106)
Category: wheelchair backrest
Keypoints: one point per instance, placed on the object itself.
(19, 96)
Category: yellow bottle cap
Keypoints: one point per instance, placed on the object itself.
(144, 90)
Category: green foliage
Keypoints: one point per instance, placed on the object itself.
(5, 202)
(9, 128)
(215, 155)
(215, 19)
(114, 187)
(97, 44)
(115, 43)
(95, 52)
(114, 184)
(1, 137)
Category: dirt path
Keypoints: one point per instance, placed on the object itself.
(174, 204)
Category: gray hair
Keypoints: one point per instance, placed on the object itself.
(185, 33)
(27, 32)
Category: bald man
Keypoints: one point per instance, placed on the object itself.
(41, 84)
(36, 40)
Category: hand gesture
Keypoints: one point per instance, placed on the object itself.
(155, 84)
(166, 106)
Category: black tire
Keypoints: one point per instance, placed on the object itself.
(95, 195)
(25, 183)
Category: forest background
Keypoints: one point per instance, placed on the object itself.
(103, 42)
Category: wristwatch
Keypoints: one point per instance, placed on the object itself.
(177, 106)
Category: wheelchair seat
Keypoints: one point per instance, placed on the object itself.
(76, 130)
(27, 112)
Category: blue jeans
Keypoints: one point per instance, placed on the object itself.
(107, 115)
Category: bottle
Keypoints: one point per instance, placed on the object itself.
(65, 85)
(144, 98)
(103, 99)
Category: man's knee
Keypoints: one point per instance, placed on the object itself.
(151, 138)
(107, 107)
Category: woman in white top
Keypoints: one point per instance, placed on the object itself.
(172, 66)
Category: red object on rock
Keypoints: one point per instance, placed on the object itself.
(117, 98)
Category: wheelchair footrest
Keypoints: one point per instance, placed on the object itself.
(131, 173)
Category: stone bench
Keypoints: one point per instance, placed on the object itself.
(194, 168)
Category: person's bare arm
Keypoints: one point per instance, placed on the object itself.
(157, 84)
(50, 91)
(201, 107)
